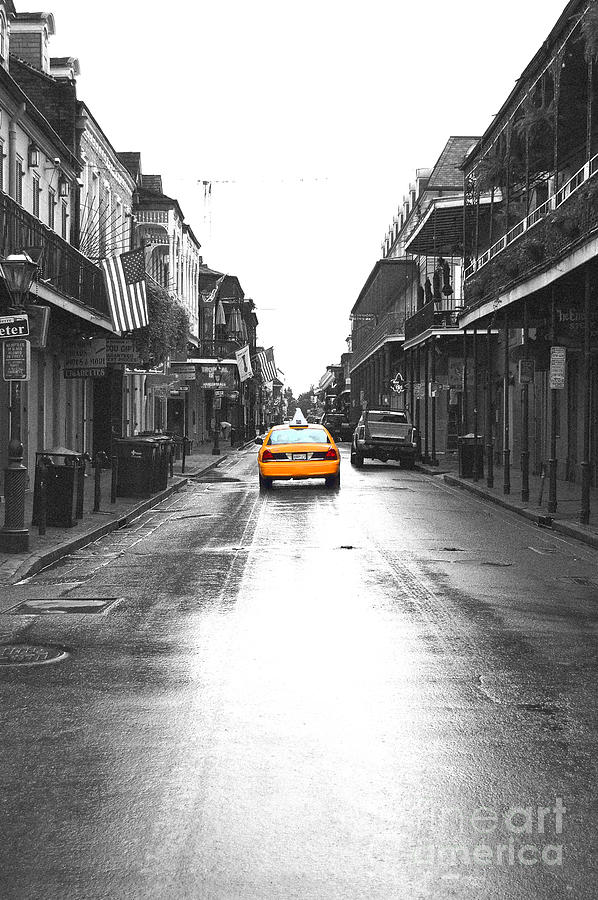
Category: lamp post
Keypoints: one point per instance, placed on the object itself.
(217, 402)
(18, 271)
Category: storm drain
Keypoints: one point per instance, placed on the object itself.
(80, 605)
(30, 654)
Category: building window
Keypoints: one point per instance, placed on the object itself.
(36, 193)
(51, 207)
(65, 221)
(3, 37)
(19, 180)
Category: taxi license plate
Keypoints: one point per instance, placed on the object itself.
(299, 455)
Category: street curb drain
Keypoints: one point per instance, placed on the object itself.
(30, 654)
(59, 606)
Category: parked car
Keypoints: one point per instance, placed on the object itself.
(338, 425)
(298, 450)
(385, 434)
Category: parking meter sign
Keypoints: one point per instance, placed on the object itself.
(16, 359)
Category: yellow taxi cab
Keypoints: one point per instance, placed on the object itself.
(298, 450)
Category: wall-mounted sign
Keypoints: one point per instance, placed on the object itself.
(16, 359)
(526, 371)
(558, 367)
(14, 326)
(86, 360)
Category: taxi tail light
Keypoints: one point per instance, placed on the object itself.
(266, 455)
(331, 454)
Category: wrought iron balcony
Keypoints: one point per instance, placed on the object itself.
(366, 338)
(224, 349)
(430, 318)
(62, 267)
(583, 175)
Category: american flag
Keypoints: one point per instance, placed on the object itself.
(266, 364)
(125, 283)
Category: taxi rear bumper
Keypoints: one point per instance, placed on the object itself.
(297, 469)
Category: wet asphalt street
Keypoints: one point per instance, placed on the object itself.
(385, 692)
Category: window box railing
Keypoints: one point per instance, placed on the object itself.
(62, 266)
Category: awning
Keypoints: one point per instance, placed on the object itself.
(440, 232)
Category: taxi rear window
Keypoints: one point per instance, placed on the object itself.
(299, 436)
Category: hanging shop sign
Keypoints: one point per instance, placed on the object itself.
(227, 377)
(526, 371)
(121, 352)
(14, 326)
(86, 360)
(16, 359)
(39, 323)
(186, 372)
(558, 366)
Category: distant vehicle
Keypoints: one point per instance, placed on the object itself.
(298, 450)
(338, 425)
(385, 434)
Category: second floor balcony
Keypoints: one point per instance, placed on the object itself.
(432, 318)
(219, 349)
(368, 336)
(63, 270)
(567, 219)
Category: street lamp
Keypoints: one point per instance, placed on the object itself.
(217, 400)
(18, 271)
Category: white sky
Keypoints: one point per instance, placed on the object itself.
(310, 120)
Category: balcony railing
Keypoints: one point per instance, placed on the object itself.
(208, 349)
(430, 317)
(587, 171)
(61, 265)
(367, 337)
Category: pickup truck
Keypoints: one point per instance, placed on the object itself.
(385, 434)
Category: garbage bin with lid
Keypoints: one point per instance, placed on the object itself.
(137, 463)
(64, 486)
(469, 448)
(164, 444)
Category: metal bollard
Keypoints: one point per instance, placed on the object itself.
(114, 479)
(171, 461)
(99, 459)
(43, 497)
(184, 455)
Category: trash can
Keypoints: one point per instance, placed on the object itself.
(137, 463)
(64, 486)
(165, 447)
(467, 452)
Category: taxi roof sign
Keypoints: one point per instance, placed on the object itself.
(299, 418)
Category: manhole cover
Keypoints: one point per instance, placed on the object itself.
(30, 654)
(79, 605)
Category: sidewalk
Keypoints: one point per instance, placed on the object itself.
(58, 541)
(565, 520)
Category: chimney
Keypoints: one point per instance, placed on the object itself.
(29, 38)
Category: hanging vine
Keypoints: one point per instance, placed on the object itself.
(167, 331)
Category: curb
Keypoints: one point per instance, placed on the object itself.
(569, 530)
(36, 562)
